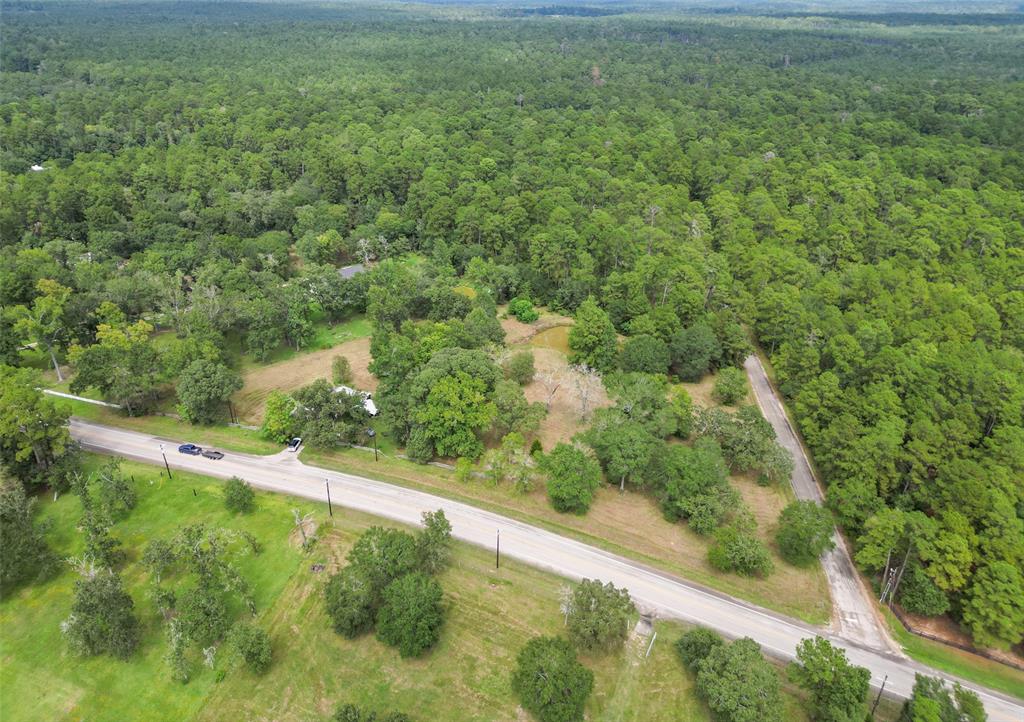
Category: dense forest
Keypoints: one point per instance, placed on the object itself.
(848, 190)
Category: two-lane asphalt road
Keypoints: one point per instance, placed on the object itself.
(661, 593)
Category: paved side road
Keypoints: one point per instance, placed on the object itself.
(666, 595)
(854, 613)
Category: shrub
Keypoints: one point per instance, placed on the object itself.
(523, 310)
(412, 614)
(253, 645)
(696, 644)
(737, 550)
(550, 682)
(341, 370)
(520, 368)
(730, 386)
(239, 496)
(351, 713)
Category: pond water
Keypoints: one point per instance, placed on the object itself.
(556, 337)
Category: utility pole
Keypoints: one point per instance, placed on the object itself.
(329, 509)
(166, 465)
(879, 697)
(497, 551)
(373, 435)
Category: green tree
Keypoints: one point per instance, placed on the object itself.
(203, 613)
(592, 337)
(456, 409)
(341, 370)
(203, 389)
(804, 532)
(102, 619)
(644, 353)
(44, 323)
(736, 549)
(520, 367)
(513, 413)
(623, 447)
(279, 421)
(696, 644)
(598, 615)
(549, 681)
(739, 684)
(382, 555)
(838, 690)
(34, 438)
(693, 349)
(350, 601)
(920, 595)
(411, 615)
(730, 385)
(523, 310)
(931, 701)
(693, 484)
(434, 541)
(994, 609)
(573, 476)
(122, 364)
(24, 553)
(252, 644)
(239, 496)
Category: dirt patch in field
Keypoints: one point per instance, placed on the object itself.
(564, 418)
(298, 372)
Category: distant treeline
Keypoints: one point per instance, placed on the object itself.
(583, 11)
(900, 19)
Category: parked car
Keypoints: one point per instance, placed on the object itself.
(190, 449)
(215, 455)
(294, 444)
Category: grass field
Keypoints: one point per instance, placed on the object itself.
(629, 524)
(492, 614)
(41, 680)
(287, 373)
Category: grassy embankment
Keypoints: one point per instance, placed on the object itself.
(492, 614)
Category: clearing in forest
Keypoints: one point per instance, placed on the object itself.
(302, 369)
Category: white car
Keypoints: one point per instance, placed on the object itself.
(294, 444)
